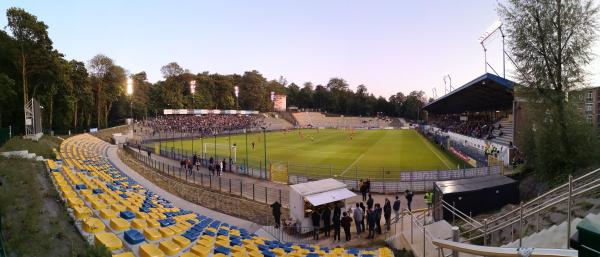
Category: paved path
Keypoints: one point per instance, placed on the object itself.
(176, 200)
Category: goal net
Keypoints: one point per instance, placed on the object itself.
(221, 150)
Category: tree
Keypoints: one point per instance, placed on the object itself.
(33, 41)
(551, 43)
(171, 70)
(6, 87)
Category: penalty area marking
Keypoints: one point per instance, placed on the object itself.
(352, 164)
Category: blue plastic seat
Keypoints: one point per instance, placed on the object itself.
(133, 236)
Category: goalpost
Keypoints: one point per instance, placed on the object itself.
(222, 149)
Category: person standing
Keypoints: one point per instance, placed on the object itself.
(396, 208)
(429, 201)
(358, 219)
(276, 206)
(409, 198)
(364, 211)
(346, 223)
(363, 190)
(370, 202)
(337, 212)
(316, 221)
(326, 215)
(387, 213)
(368, 184)
(378, 213)
(371, 223)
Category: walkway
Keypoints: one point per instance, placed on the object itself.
(177, 201)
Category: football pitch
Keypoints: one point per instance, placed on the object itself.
(335, 152)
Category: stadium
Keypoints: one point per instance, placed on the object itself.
(106, 163)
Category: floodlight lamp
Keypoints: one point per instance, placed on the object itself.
(129, 86)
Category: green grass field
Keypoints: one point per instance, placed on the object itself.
(347, 152)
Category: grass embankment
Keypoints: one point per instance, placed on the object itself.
(34, 221)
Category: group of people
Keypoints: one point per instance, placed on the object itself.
(365, 215)
(207, 124)
(215, 167)
(476, 126)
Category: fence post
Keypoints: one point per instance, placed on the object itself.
(383, 178)
(220, 187)
(241, 188)
(201, 179)
(266, 195)
(570, 201)
(520, 224)
(253, 197)
(280, 202)
(411, 227)
(229, 186)
(424, 239)
(455, 239)
(484, 232)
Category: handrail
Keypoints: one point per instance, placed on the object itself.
(501, 251)
(534, 200)
(515, 219)
(540, 197)
(464, 216)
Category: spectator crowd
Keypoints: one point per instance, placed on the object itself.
(207, 124)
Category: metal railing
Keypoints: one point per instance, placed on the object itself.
(204, 178)
(516, 219)
(499, 251)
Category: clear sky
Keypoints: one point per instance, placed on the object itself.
(389, 46)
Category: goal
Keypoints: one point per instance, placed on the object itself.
(222, 150)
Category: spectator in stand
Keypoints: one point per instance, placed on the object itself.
(368, 183)
(363, 190)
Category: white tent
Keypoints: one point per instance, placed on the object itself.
(317, 193)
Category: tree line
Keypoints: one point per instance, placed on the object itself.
(78, 95)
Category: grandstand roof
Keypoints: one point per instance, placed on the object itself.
(488, 92)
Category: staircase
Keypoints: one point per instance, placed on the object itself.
(507, 131)
(538, 214)
(554, 236)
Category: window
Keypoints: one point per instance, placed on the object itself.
(589, 96)
(589, 119)
(589, 107)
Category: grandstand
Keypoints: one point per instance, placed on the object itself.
(476, 120)
(113, 210)
(320, 120)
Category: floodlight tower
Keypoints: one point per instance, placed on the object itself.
(447, 76)
(130, 94)
(495, 27)
(193, 92)
(236, 91)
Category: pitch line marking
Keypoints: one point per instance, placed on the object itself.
(352, 164)
(434, 152)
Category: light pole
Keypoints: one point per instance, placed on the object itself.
(193, 92)
(264, 129)
(246, 132)
(130, 94)
(273, 99)
(236, 91)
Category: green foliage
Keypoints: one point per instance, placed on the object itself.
(96, 251)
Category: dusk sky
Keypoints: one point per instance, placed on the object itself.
(389, 46)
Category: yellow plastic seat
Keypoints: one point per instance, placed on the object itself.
(74, 201)
(181, 241)
(110, 240)
(200, 250)
(138, 223)
(81, 212)
(150, 250)
(98, 205)
(219, 255)
(119, 224)
(108, 214)
(118, 208)
(125, 254)
(188, 254)
(93, 225)
(169, 247)
(166, 232)
(152, 234)
(152, 223)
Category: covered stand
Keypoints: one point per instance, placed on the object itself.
(474, 195)
(310, 196)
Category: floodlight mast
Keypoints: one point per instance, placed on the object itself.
(495, 27)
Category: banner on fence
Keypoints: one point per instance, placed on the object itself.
(278, 171)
